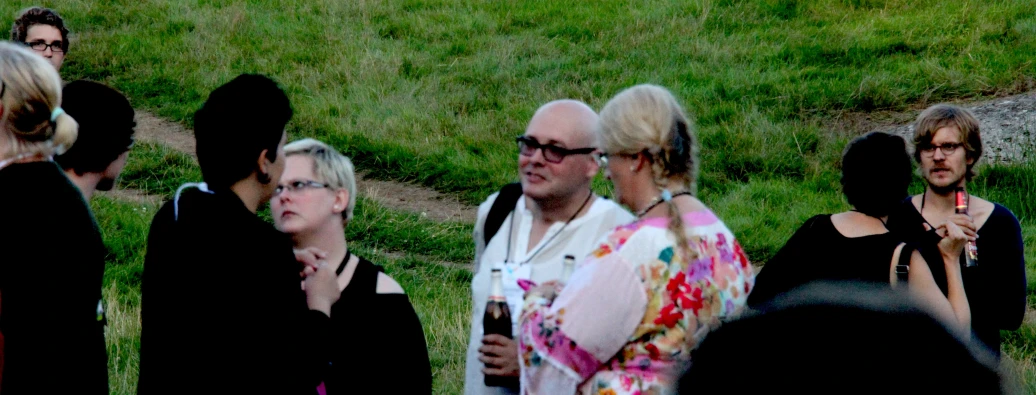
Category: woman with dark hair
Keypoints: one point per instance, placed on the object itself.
(222, 308)
(855, 245)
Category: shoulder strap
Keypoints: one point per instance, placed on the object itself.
(366, 276)
(903, 266)
(503, 206)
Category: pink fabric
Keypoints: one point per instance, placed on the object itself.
(321, 389)
(565, 350)
(637, 305)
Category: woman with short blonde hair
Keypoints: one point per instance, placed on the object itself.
(629, 317)
(53, 327)
(375, 326)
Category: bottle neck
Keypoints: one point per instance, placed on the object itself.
(566, 269)
(496, 289)
(961, 200)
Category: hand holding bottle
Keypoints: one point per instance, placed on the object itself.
(952, 244)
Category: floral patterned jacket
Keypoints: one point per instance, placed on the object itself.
(628, 318)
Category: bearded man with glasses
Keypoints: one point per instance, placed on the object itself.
(528, 228)
(947, 145)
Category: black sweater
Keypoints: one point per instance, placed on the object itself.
(817, 251)
(51, 269)
(222, 309)
(378, 340)
(996, 287)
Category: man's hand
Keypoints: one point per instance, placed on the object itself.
(500, 355)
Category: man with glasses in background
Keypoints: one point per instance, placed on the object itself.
(527, 229)
(947, 145)
(43, 30)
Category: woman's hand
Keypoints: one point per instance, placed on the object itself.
(309, 257)
(548, 290)
(319, 280)
(963, 221)
(953, 241)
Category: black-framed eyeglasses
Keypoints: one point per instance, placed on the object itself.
(298, 185)
(41, 46)
(947, 149)
(551, 153)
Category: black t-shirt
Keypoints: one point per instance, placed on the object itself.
(378, 340)
(51, 270)
(996, 287)
(222, 308)
(817, 251)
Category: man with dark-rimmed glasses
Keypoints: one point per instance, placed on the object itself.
(553, 213)
(947, 145)
(42, 30)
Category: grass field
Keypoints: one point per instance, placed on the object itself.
(434, 91)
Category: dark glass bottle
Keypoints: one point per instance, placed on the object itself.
(497, 321)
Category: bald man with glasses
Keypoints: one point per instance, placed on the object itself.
(527, 229)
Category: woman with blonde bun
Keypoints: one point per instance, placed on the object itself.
(51, 252)
(630, 315)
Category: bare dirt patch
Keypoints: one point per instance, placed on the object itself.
(170, 134)
(1008, 125)
(133, 196)
(426, 202)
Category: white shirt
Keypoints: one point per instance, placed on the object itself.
(578, 239)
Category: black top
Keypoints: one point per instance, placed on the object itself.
(996, 287)
(378, 340)
(51, 269)
(222, 308)
(817, 251)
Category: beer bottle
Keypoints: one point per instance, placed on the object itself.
(567, 266)
(497, 321)
(971, 249)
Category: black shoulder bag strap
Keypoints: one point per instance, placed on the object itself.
(501, 208)
(903, 266)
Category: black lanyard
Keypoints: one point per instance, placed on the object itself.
(510, 233)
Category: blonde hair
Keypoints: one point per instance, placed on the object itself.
(31, 93)
(647, 119)
(335, 169)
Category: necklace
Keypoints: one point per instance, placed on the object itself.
(883, 223)
(924, 196)
(658, 200)
(348, 256)
(510, 233)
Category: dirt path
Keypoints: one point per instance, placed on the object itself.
(427, 202)
(1008, 126)
(1008, 133)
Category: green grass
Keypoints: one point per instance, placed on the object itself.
(433, 91)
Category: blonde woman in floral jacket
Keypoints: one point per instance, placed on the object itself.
(629, 317)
